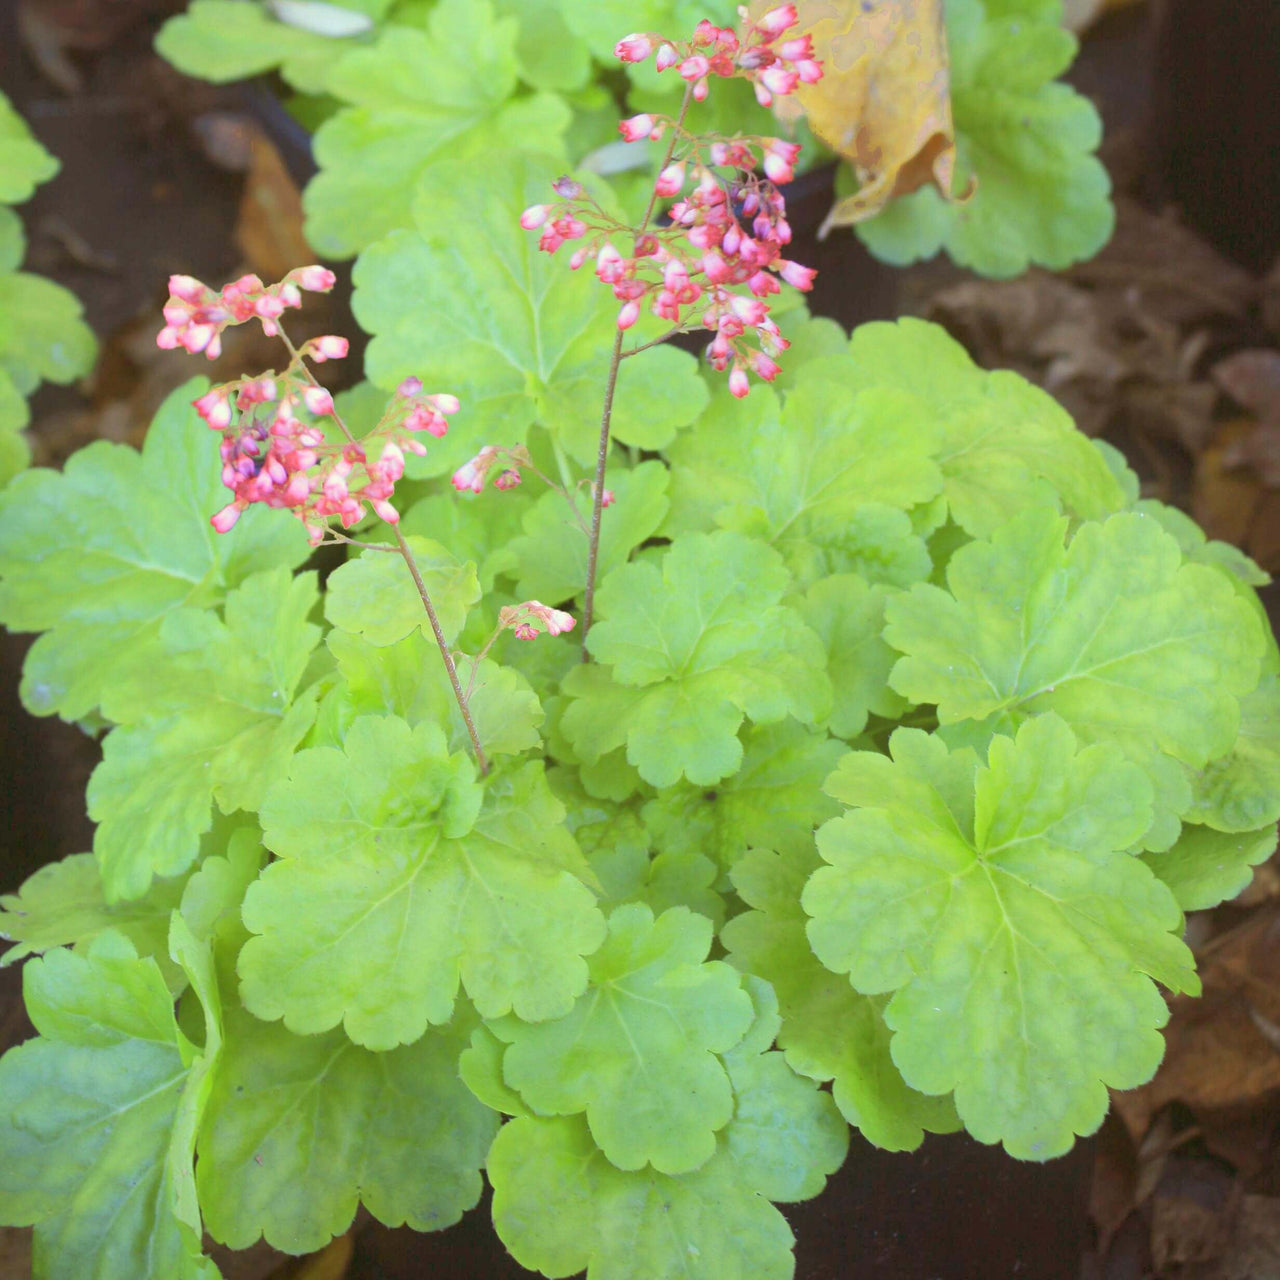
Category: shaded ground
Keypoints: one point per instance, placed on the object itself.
(1144, 345)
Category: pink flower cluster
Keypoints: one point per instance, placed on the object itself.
(527, 620)
(471, 476)
(196, 315)
(724, 233)
(774, 66)
(274, 450)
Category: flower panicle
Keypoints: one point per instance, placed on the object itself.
(275, 448)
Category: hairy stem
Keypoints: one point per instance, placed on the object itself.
(449, 665)
(606, 416)
(403, 547)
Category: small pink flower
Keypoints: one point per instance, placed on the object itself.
(694, 68)
(797, 276)
(777, 20)
(764, 367)
(779, 80)
(738, 384)
(670, 180)
(668, 56)
(508, 479)
(409, 387)
(809, 71)
(534, 216)
(608, 498)
(797, 50)
(635, 128)
(329, 347)
(317, 400)
(629, 314)
(525, 631)
(633, 48)
(312, 279)
(215, 408)
(227, 517)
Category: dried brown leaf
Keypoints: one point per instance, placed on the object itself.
(884, 100)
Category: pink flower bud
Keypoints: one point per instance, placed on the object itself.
(809, 71)
(748, 310)
(558, 621)
(608, 498)
(409, 387)
(764, 367)
(215, 408)
(738, 384)
(777, 20)
(633, 48)
(796, 50)
(668, 56)
(445, 402)
(312, 279)
(763, 96)
(384, 509)
(318, 400)
(693, 68)
(507, 480)
(670, 180)
(629, 314)
(329, 347)
(636, 127)
(700, 90)
(188, 288)
(779, 80)
(534, 216)
(525, 631)
(227, 517)
(797, 276)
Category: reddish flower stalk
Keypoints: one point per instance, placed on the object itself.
(725, 233)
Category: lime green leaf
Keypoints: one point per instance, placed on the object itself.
(829, 1031)
(13, 244)
(24, 163)
(64, 904)
(1207, 867)
(817, 480)
(217, 722)
(374, 595)
(1004, 445)
(97, 555)
(786, 1135)
(560, 1206)
(774, 800)
(226, 40)
(399, 876)
(1197, 547)
(848, 615)
(1041, 194)
(408, 679)
(551, 555)
(549, 55)
(42, 335)
(212, 896)
(1113, 632)
(419, 99)
(1022, 948)
(1241, 791)
(692, 648)
(480, 1067)
(96, 1136)
(469, 303)
(476, 527)
(637, 1053)
(397, 1131)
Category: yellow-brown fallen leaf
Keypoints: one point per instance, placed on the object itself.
(884, 100)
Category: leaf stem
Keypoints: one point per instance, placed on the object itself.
(403, 547)
(606, 416)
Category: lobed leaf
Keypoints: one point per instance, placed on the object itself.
(1020, 945)
(691, 649)
(1207, 867)
(1111, 631)
(655, 1012)
(399, 876)
(301, 1129)
(97, 1129)
(217, 719)
(97, 555)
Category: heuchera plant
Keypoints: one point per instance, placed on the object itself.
(900, 735)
